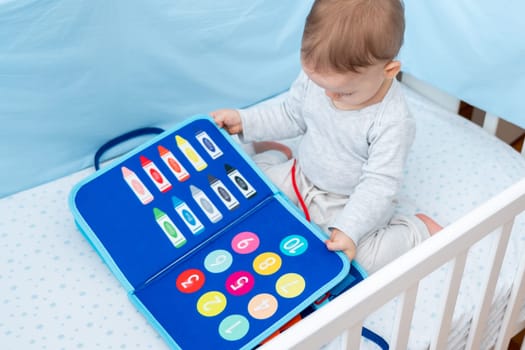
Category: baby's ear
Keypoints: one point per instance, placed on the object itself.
(392, 68)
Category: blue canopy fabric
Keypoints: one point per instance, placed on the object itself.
(74, 74)
(473, 49)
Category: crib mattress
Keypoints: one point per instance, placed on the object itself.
(56, 293)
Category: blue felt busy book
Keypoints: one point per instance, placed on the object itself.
(209, 250)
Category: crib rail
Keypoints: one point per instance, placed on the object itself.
(346, 314)
(493, 124)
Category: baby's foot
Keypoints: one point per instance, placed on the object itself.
(432, 226)
(263, 146)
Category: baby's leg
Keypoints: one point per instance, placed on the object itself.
(380, 247)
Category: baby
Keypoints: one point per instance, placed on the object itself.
(355, 128)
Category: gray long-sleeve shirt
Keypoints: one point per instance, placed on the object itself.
(359, 153)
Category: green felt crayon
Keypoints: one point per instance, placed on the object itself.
(169, 228)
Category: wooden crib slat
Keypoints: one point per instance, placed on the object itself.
(449, 301)
(405, 310)
(479, 320)
(509, 325)
(351, 338)
(490, 123)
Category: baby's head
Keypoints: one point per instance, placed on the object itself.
(344, 35)
(358, 39)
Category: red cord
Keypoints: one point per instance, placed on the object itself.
(298, 194)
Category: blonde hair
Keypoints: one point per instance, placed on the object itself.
(344, 35)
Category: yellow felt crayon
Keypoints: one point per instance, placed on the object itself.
(187, 149)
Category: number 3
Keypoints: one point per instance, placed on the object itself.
(189, 281)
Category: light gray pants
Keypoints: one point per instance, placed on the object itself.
(378, 247)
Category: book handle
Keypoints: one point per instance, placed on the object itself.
(122, 138)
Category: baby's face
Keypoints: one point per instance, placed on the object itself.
(351, 91)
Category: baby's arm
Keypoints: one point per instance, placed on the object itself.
(229, 119)
(339, 241)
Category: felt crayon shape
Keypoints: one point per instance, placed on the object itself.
(240, 181)
(189, 218)
(169, 228)
(205, 204)
(140, 190)
(224, 194)
(209, 145)
(173, 164)
(155, 175)
(189, 152)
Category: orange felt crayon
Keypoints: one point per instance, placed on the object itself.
(173, 164)
(140, 190)
(155, 175)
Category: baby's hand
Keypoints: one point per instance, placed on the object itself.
(229, 119)
(339, 241)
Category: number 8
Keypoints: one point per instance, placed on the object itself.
(267, 263)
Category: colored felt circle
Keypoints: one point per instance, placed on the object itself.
(211, 303)
(190, 281)
(218, 261)
(267, 263)
(239, 283)
(293, 245)
(262, 306)
(290, 285)
(234, 327)
(245, 242)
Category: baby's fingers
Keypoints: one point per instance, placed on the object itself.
(217, 118)
(339, 246)
(333, 245)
